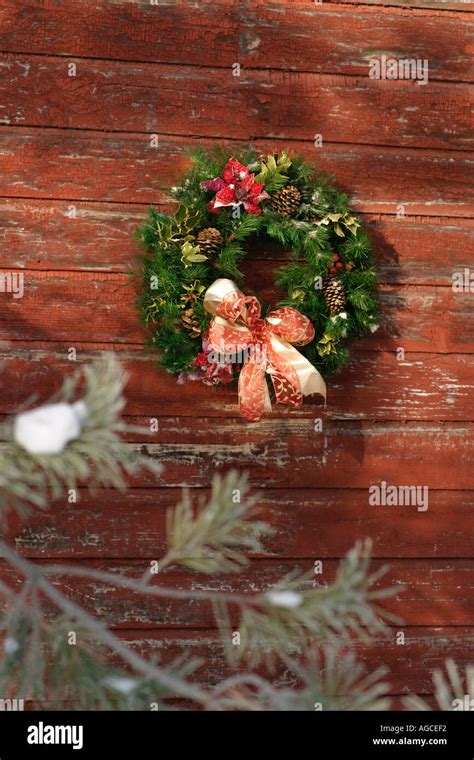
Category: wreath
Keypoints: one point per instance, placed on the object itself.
(193, 294)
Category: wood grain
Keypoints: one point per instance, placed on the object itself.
(309, 523)
(374, 385)
(57, 235)
(37, 91)
(210, 33)
(431, 593)
(429, 645)
(77, 172)
(411, 666)
(288, 453)
(461, 6)
(62, 306)
(75, 165)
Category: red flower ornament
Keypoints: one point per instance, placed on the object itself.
(236, 186)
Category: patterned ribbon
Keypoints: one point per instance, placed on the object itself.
(265, 347)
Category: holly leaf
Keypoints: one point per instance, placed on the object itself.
(274, 170)
(284, 161)
(190, 254)
(180, 214)
(271, 163)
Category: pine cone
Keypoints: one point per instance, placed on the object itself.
(210, 241)
(191, 323)
(334, 294)
(286, 200)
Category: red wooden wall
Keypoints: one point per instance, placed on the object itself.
(77, 172)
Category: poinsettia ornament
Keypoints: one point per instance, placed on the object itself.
(236, 186)
(212, 372)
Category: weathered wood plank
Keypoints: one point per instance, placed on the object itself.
(73, 165)
(185, 705)
(372, 386)
(37, 91)
(461, 6)
(41, 234)
(61, 235)
(288, 453)
(312, 524)
(402, 40)
(99, 307)
(430, 593)
(420, 250)
(315, 485)
(411, 666)
(210, 33)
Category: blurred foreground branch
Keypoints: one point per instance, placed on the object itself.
(55, 650)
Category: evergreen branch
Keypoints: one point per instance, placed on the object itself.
(212, 540)
(293, 611)
(161, 678)
(38, 656)
(451, 689)
(97, 456)
(275, 621)
(324, 680)
(337, 681)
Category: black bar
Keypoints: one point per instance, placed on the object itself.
(311, 734)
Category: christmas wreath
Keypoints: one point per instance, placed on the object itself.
(193, 294)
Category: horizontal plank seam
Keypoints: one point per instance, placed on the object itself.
(192, 628)
(296, 489)
(251, 138)
(144, 354)
(375, 421)
(407, 218)
(147, 204)
(18, 341)
(420, 9)
(131, 274)
(183, 139)
(409, 8)
(262, 490)
(214, 67)
(275, 558)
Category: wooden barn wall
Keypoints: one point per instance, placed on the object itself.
(77, 172)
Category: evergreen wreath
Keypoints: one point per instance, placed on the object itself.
(223, 202)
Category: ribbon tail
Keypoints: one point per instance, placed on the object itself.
(287, 389)
(254, 398)
(295, 376)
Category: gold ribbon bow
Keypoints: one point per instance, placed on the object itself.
(264, 346)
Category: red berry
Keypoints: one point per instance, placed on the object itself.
(339, 265)
(335, 257)
(333, 270)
